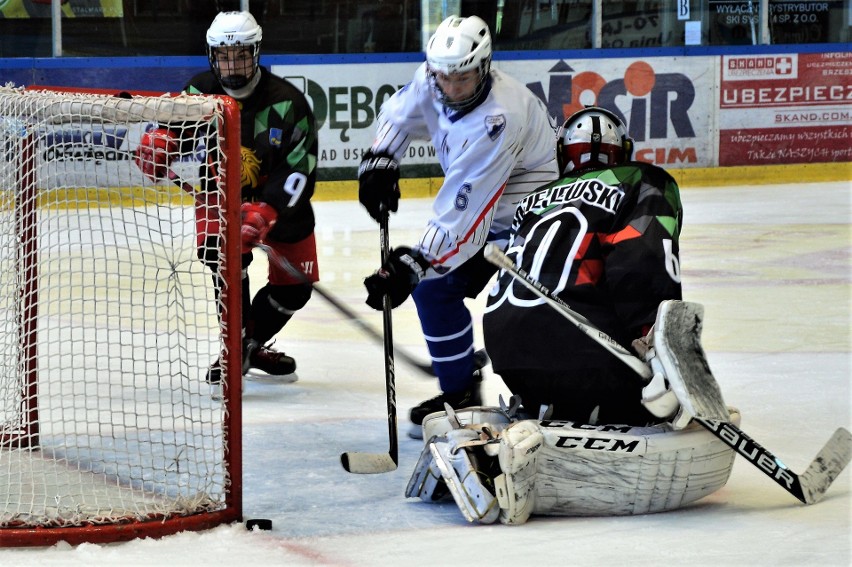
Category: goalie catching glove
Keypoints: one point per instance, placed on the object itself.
(398, 276)
(155, 153)
(256, 219)
(378, 184)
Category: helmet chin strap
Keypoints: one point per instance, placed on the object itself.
(244, 92)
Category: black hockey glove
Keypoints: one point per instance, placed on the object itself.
(398, 277)
(378, 184)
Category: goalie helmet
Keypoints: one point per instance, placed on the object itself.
(592, 138)
(229, 32)
(457, 46)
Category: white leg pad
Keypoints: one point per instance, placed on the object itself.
(561, 468)
(612, 470)
(426, 481)
(459, 471)
(519, 447)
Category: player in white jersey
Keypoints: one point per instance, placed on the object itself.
(494, 141)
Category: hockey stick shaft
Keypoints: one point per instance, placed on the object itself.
(176, 179)
(809, 487)
(390, 371)
(494, 255)
(371, 463)
(342, 308)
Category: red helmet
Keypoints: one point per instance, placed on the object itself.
(592, 138)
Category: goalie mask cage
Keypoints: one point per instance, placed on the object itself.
(108, 430)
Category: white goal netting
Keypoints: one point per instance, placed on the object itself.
(109, 318)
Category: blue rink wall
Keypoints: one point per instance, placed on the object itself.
(711, 116)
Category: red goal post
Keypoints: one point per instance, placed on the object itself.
(108, 430)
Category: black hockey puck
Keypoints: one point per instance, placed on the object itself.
(259, 523)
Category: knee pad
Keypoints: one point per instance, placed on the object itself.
(283, 298)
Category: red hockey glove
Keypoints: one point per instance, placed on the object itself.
(155, 153)
(257, 220)
(397, 278)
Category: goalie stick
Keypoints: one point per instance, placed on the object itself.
(808, 487)
(373, 463)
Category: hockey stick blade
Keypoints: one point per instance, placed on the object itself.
(367, 463)
(808, 487)
(827, 466)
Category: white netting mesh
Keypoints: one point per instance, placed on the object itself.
(109, 319)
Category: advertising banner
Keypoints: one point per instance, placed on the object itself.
(69, 8)
(667, 104)
(791, 108)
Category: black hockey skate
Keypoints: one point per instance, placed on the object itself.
(265, 359)
(214, 373)
(468, 397)
(277, 367)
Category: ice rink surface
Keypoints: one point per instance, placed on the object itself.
(770, 264)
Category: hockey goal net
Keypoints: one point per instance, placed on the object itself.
(108, 430)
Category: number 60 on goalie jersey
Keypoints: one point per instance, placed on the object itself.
(606, 242)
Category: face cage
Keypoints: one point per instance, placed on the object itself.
(441, 97)
(237, 81)
(584, 156)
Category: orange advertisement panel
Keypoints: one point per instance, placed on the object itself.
(69, 8)
(790, 108)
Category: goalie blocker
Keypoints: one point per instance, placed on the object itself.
(495, 467)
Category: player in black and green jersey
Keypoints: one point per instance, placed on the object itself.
(279, 160)
(604, 238)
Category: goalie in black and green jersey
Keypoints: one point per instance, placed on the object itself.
(604, 238)
(279, 161)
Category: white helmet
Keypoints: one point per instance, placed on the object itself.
(592, 138)
(230, 29)
(457, 46)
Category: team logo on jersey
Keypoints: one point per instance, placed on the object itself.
(495, 125)
(275, 135)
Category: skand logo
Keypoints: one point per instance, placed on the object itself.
(752, 67)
